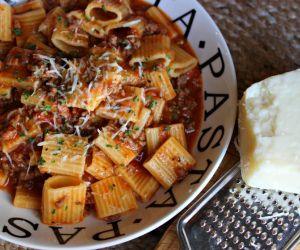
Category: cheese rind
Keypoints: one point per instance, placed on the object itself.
(269, 133)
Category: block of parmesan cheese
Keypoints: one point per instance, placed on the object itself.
(269, 133)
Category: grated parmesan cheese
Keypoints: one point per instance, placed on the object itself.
(43, 143)
(122, 129)
(131, 23)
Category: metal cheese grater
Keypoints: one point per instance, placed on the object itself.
(232, 215)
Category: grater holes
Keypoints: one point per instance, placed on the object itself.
(246, 218)
(225, 229)
(280, 222)
(280, 237)
(269, 225)
(285, 226)
(291, 216)
(258, 230)
(237, 224)
(247, 235)
(263, 236)
(275, 231)
(213, 234)
(235, 240)
(241, 245)
(230, 234)
(202, 223)
(207, 228)
(218, 240)
(274, 247)
(242, 229)
(296, 222)
(242, 214)
(253, 224)
(269, 241)
(227, 213)
(224, 245)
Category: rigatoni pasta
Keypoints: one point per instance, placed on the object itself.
(170, 163)
(115, 149)
(158, 135)
(157, 15)
(154, 49)
(25, 198)
(140, 180)
(182, 63)
(101, 166)
(113, 196)
(63, 200)
(98, 106)
(107, 12)
(161, 80)
(63, 154)
(5, 22)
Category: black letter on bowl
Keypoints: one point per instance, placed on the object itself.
(190, 22)
(215, 132)
(26, 234)
(166, 202)
(59, 235)
(223, 97)
(209, 62)
(157, 2)
(200, 172)
(115, 230)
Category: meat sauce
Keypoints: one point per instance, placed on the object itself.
(186, 108)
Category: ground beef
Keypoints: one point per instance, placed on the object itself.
(7, 105)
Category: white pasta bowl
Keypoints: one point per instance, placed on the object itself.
(23, 226)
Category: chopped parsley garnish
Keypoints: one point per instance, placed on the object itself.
(111, 187)
(62, 101)
(47, 108)
(122, 165)
(31, 46)
(17, 31)
(127, 132)
(31, 140)
(136, 98)
(59, 18)
(103, 8)
(53, 161)
(21, 79)
(60, 141)
(109, 145)
(66, 208)
(154, 67)
(77, 144)
(66, 23)
(136, 128)
(117, 146)
(152, 104)
(168, 70)
(53, 211)
(167, 128)
(149, 97)
(26, 94)
(41, 161)
(87, 18)
(168, 56)
(22, 134)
